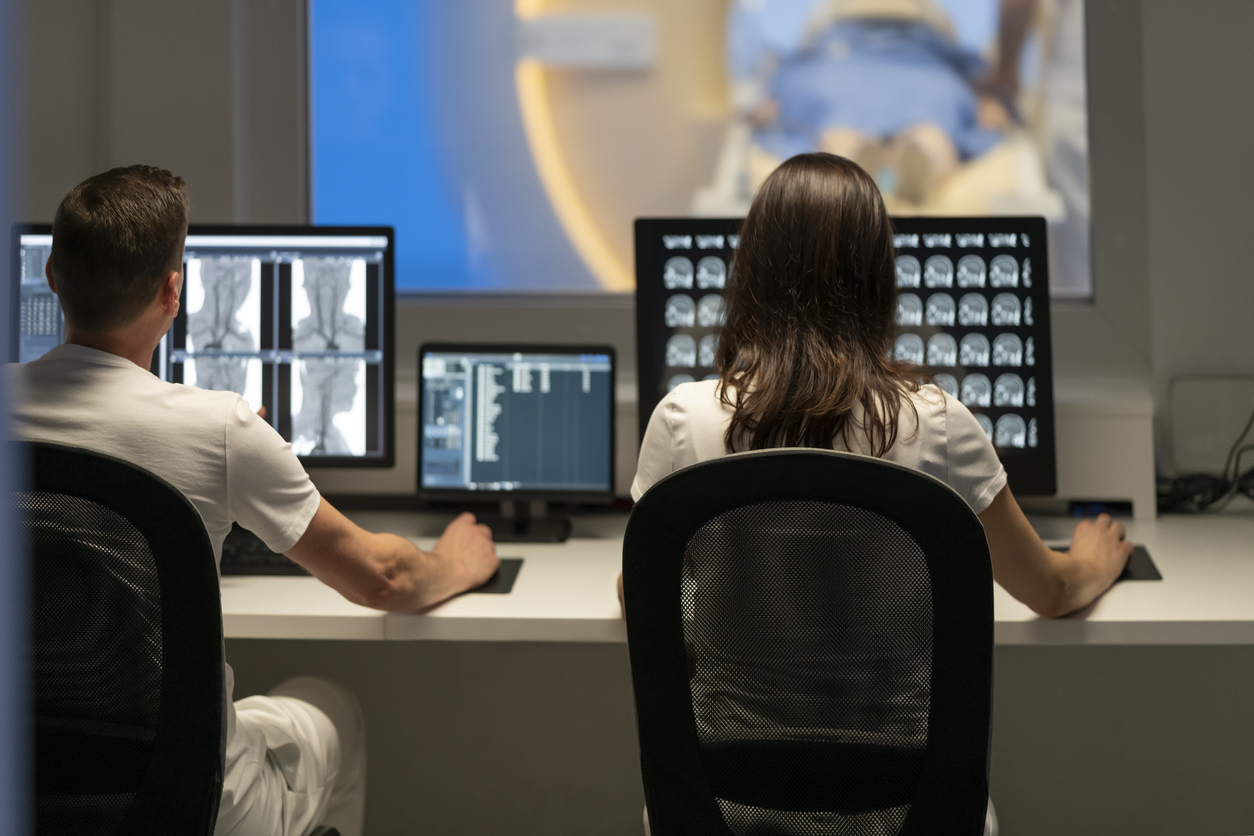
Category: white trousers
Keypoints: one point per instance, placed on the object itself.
(307, 741)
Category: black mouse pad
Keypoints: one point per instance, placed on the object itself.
(502, 583)
(1140, 567)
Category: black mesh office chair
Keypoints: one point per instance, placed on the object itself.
(811, 649)
(128, 662)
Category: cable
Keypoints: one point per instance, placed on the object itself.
(1204, 493)
(1235, 445)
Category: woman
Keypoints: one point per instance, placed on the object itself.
(804, 360)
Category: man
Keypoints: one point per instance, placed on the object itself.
(296, 758)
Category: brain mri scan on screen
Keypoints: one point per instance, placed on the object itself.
(942, 350)
(1030, 397)
(909, 349)
(938, 271)
(909, 272)
(976, 390)
(909, 310)
(973, 350)
(710, 311)
(1008, 390)
(1011, 431)
(971, 271)
(1005, 310)
(973, 311)
(681, 352)
(711, 273)
(940, 310)
(681, 311)
(1032, 440)
(1003, 272)
(1027, 311)
(1007, 350)
(1029, 352)
(678, 273)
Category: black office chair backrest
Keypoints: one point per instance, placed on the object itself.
(811, 649)
(128, 655)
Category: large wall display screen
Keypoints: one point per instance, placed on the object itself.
(971, 307)
(512, 144)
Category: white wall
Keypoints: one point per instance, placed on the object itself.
(1199, 131)
(213, 90)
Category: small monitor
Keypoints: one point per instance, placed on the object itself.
(522, 425)
(295, 319)
(38, 325)
(972, 305)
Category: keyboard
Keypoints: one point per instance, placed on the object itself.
(243, 553)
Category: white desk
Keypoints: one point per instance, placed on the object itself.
(565, 593)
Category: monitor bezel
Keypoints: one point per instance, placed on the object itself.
(1031, 473)
(466, 495)
(388, 457)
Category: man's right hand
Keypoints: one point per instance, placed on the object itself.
(467, 550)
(388, 572)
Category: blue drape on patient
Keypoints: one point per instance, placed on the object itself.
(878, 78)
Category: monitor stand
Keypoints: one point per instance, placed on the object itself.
(526, 522)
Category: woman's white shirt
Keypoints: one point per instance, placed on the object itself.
(690, 424)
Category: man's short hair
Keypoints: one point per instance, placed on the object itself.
(114, 238)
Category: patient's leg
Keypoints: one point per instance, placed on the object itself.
(854, 145)
(924, 155)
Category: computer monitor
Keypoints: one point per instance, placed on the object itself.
(973, 305)
(296, 319)
(522, 425)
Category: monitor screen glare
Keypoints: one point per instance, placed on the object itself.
(533, 420)
(295, 320)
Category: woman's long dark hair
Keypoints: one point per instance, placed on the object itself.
(810, 304)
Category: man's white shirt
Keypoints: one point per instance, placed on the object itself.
(229, 463)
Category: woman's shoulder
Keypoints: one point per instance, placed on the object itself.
(941, 412)
(925, 410)
(694, 398)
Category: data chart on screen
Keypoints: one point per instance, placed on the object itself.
(498, 421)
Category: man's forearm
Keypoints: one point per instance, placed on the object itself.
(387, 572)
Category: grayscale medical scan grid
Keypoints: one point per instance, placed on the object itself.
(972, 306)
(499, 420)
(295, 321)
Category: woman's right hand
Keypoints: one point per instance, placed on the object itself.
(1102, 541)
(1052, 583)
